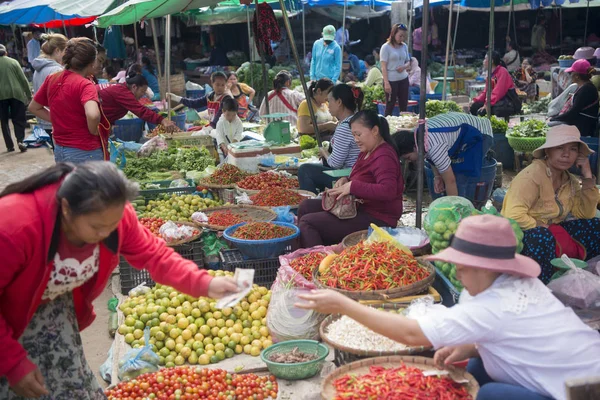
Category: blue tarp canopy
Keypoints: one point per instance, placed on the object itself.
(25, 12)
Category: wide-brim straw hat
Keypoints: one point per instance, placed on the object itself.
(487, 242)
(562, 134)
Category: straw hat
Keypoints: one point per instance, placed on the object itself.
(562, 134)
(487, 242)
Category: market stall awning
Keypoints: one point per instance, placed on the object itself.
(226, 15)
(26, 12)
(137, 10)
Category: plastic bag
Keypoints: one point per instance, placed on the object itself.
(267, 160)
(171, 232)
(177, 183)
(379, 235)
(155, 144)
(212, 245)
(421, 307)
(138, 361)
(594, 266)
(443, 217)
(199, 217)
(284, 214)
(413, 238)
(288, 276)
(139, 290)
(577, 288)
(287, 322)
(243, 199)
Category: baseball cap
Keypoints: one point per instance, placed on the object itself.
(329, 32)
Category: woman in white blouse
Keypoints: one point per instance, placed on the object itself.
(521, 342)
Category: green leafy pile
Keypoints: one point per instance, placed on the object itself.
(530, 128)
(437, 107)
(539, 106)
(307, 142)
(498, 125)
(172, 159)
(373, 94)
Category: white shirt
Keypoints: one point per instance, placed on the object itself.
(228, 132)
(525, 336)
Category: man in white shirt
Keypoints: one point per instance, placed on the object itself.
(33, 47)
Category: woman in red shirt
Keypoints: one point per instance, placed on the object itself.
(502, 84)
(73, 102)
(376, 179)
(62, 232)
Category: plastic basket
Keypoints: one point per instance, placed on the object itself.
(525, 144)
(565, 63)
(178, 120)
(265, 270)
(255, 249)
(195, 94)
(129, 130)
(296, 371)
(132, 277)
(152, 194)
(503, 152)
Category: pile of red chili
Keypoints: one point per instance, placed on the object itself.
(276, 197)
(402, 383)
(224, 218)
(266, 180)
(307, 263)
(373, 266)
(226, 175)
(261, 231)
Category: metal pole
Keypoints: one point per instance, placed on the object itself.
(303, 32)
(509, 17)
(158, 63)
(447, 50)
(488, 85)
(137, 47)
(311, 111)
(587, 14)
(343, 34)
(410, 22)
(561, 27)
(514, 24)
(421, 128)
(250, 45)
(168, 61)
(455, 32)
(262, 62)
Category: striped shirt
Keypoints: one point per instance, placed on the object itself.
(440, 143)
(345, 151)
(277, 106)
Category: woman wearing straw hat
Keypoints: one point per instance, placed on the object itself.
(522, 342)
(544, 196)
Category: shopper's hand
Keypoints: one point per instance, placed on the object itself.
(340, 182)
(583, 163)
(387, 87)
(341, 190)
(222, 286)
(438, 184)
(448, 355)
(323, 301)
(31, 386)
(173, 97)
(166, 123)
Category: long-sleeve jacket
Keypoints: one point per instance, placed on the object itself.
(14, 83)
(531, 199)
(584, 110)
(28, 242)
(326, 61)
(117, 99)
(501, 83)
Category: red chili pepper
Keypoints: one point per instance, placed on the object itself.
(224, 218)
(266, 180)
(227, 174)
(374, 266)
(261, 231)
(276, 197)
(307, 263)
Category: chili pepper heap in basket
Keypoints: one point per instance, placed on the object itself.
(276, 197)
(224, 218)
(266, 180)
(307, 263)
(226, 175)
(261, 231)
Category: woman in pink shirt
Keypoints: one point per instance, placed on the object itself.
(502, 85)
(376, 179)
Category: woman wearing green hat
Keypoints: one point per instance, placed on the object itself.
(326, 57)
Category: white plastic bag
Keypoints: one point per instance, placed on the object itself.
(287, 322)
(171, 232)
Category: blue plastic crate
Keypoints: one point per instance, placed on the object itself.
(260, 249)
(195, 94)
(178, 119)
(129, 130)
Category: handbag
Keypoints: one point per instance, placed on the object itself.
(344, 208)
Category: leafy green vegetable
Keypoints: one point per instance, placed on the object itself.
(539, 106)
(307, 142)
(436, 107)
(373, 94)
(184, 159)
(314, 152)
(529, 128)
(498, 125)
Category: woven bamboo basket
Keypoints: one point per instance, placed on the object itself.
(177, 84)
(345, 355)
(362, 367)
(252, 192)
(247, 212)
(355, 238)
(414, 288)
(304, 193)
(193, 238)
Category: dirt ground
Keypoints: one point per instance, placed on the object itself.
(16, 166)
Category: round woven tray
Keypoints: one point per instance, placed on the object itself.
(193, 238)
(525, 144)
(365, 353)
(354, 238)
(409, 290)
(362, 367)
(247, 212)
(214, 186)
(305, 193)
